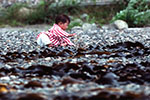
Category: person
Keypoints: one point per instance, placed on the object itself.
(56, 36)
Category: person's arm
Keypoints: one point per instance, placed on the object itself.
(63, 33)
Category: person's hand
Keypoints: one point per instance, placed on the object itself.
(63, 44)
(73, 34)
(50, 45)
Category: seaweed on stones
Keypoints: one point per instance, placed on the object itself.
(63, 68)
(110, 66)
(127, 49)
(31, 96)
(88, 68)
(129, 72)
(65, 53)
(129, 45)
(69, 80)
(33, 84)
(38, 70)
(80, 75)
(109, 78)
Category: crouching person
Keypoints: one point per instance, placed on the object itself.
(56, 36)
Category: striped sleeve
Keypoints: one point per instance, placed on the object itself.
(61, 32)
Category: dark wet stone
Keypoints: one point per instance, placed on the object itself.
(109, 78)
(38, 70)
(69, 80)
(31, 96)
(33, 84)
(6, 96)
(63, 68)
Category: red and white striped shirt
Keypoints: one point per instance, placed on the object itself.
(57, 35)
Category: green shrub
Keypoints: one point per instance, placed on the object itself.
(75, 22)
(9, 14)
(38, 15)
(47, 10)
(137, 13)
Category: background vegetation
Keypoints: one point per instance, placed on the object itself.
(134, 12)
(47, 10)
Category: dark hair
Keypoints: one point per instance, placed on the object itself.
(62, 18)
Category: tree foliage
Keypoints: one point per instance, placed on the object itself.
(137, 13)
(47, 10)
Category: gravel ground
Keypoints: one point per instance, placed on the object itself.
(24, 38)
(105, 64)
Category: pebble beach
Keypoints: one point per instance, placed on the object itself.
(104, 64)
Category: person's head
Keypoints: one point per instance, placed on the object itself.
(62, 21)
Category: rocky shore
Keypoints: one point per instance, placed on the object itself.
(12, 39)
(104, 64)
